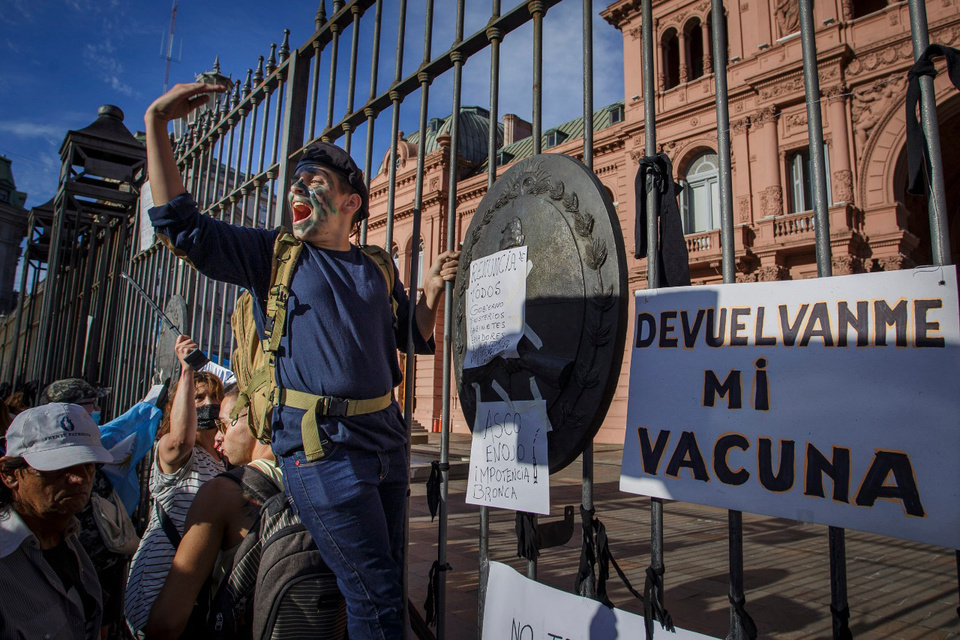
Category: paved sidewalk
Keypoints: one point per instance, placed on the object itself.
(896, 589)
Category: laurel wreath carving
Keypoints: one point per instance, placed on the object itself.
(598, 331)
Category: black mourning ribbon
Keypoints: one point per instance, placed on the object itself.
(595, 551)
(673, 259)
(433, 486)
(527, 536)
(433, 592)
(842, 617)
(653, 608)
(918, 160)
(746, 622)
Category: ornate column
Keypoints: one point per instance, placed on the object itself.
(764, 129)
(842, 178)
(684, 56)
(707, 49)
(740, 150)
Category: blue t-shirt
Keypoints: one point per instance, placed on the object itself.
(340, 339)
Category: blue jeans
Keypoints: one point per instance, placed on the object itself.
(354, 503)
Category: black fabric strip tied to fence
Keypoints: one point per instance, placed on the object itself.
(433, 486)
(746, 622)
(595, 552)
(918, 160)
(842, 617)
(674, 260)
(653, 608)
(433, 592)
(527, 536)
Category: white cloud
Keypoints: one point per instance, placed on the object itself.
(101, 59)
(22, 129)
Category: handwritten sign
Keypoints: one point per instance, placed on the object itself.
(495, 303)
(508, 456)
(831, 401)
(517, 608)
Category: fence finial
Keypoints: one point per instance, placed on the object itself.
(321, 15)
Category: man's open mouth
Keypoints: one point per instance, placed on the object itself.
(301, 211)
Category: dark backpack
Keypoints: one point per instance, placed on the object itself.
(279, 586)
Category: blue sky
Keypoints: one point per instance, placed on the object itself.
(65, 58)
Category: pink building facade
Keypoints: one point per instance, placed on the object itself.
(864, 51)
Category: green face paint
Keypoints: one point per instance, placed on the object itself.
(310, 206)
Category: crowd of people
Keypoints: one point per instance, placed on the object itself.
(303, 463)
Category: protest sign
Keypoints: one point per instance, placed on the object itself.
(831, 401)
(508, 456)
(517, 608)
(495, 304)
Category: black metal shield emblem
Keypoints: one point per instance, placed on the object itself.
(575, 308)
(168, 366)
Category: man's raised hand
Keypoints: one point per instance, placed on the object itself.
(181, 100)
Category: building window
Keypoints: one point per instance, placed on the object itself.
(694, 39)
(616, 114)
(866, 7)
(670, 57)
(700, 198)
(4, 196)
(504, 158)
(554, 137)
(800, 178)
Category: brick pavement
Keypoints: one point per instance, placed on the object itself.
(896, 589)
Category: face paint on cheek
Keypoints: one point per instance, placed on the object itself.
(311, 208)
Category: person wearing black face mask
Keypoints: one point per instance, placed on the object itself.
(186, 457)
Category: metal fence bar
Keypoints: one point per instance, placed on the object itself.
(395, 98)
(425, 79)
(448, 336)
(811, 82)
(653, 267)
(352, 78)
(494, 36)
(334, 54)
(370, 114)
(937, 199)
(734, 517)
(587, 588)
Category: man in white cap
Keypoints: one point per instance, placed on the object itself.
(49, 584)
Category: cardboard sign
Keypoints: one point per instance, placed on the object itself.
(508, 456)
(517, 608)
(495, 302)
(832, 401)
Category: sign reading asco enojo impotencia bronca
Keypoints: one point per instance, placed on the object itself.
(832, 401)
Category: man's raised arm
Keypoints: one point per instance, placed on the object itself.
(165, 181)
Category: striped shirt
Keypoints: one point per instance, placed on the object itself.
(35, 603)
(175, 493)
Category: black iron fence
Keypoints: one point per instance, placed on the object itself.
(237, 158)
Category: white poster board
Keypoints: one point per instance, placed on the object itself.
(495, 303)
(834, 400)
(508, 455)
(146, 227)
(517, 608)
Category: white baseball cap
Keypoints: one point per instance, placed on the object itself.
(56, 436)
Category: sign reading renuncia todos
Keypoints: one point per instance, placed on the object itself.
(834, 401)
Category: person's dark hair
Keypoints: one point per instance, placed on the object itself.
(232, 390)
(8, 464)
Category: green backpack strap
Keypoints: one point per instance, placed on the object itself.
(286, 253)
(384, 262)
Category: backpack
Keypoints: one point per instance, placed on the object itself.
(279, 586)
(254, 359)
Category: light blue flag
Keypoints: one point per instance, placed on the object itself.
(129, 438)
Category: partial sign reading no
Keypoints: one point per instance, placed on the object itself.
(495, 302)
